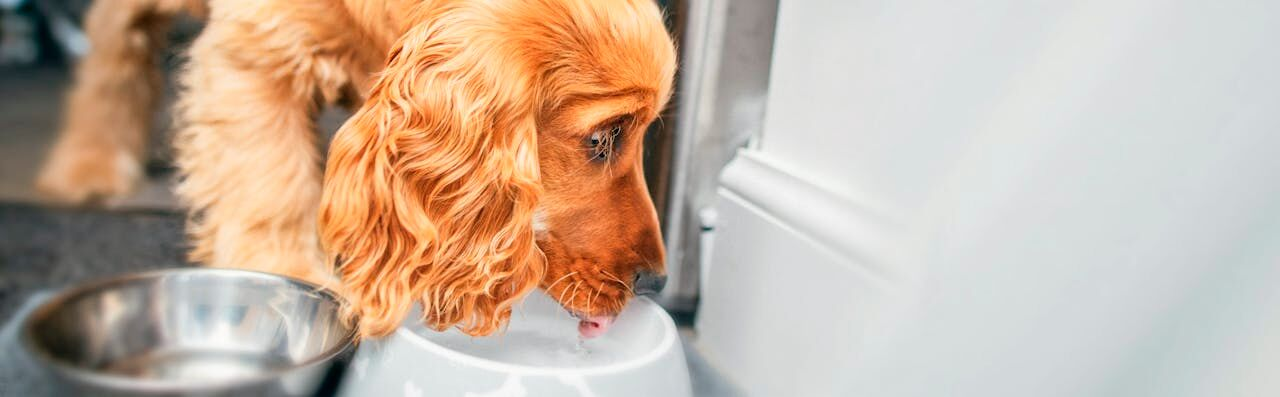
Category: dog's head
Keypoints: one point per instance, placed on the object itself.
(498, 152)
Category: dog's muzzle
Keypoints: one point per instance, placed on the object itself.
(648, 282)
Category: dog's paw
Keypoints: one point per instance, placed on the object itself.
(82, 175)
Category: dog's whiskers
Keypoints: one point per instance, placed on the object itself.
(561, 299)
(591, 304)
(549, 287)
(574, 294)
(619, 281)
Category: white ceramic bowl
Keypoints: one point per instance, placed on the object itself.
(538, 355)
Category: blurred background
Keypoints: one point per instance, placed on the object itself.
(42, 246)
(877, 197)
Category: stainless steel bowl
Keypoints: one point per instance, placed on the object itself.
(190, 331)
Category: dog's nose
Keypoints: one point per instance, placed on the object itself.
(648, 282)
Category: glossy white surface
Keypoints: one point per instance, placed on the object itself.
(1007, 198)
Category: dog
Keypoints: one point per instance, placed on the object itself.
(495, 147)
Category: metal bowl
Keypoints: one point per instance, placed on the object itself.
(190, 331)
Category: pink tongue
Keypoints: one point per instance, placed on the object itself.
(594, 326)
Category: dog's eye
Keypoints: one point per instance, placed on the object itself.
(603, 143)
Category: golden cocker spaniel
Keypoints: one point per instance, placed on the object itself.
(495, 146)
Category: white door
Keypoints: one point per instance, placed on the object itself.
(1007, 198)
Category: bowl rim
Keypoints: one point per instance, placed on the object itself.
(664, 346)
(141, 385)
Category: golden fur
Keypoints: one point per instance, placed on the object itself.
(100, 151)
(463, 180)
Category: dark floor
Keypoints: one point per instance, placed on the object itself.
(49, 248)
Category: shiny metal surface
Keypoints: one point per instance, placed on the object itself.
(190, 331)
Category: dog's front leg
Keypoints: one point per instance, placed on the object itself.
(248, 152)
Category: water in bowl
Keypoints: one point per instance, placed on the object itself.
(192, 364)
(533, 342)
(542, 334)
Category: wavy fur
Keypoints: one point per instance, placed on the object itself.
(432, 185)
(471, 116)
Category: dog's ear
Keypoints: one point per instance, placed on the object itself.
(430, 188)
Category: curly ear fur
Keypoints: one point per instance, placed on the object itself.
(430, 189)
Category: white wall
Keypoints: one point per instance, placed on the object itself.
(1007, 198)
